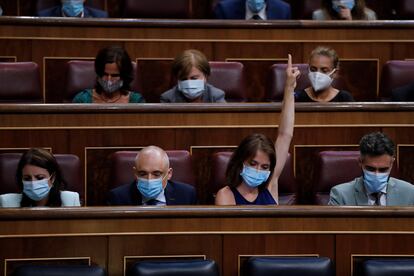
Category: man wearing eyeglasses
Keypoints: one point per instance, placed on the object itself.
(375, 186)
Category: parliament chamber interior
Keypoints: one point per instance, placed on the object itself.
(46, 61)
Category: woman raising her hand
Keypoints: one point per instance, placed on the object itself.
(254, 168)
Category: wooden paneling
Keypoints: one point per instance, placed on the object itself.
(115, 237)
(94, 132)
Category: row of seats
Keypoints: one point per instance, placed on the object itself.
(327, 175)
(254, 266)
(20, 81)
(183, 9)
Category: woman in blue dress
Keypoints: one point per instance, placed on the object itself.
(253, 171)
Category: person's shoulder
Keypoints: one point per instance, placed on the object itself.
(217, 94)
(10, 200)
(347, 186)
(136, 97)
(55, 11)
(402, 184)
(69, 198)
(92, 12)
(280, 3)
(181, 185)
(225, 196)
(121, 189)
(302, 96)
(370, 14)
(318, 15)
(344, 96)
(84, 96)
(169, 96)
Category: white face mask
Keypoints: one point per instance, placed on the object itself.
(192, 89)
(319, 80)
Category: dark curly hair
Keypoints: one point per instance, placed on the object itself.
(120, 57)
(376, 144)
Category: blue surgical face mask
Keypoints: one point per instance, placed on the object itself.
(72, 8)
(337, 4)
(375, 182)
(253, 177)
(192, 89)
(150, 188)
(36, 190)
(255, 5)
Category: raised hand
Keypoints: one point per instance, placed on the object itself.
(292, 73)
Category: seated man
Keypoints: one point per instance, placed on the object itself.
(375, 187)
(252, 9)
(72, 8)
(153, 185)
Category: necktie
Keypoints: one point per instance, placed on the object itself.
(256, 17)
(377, 197)
(152, 202)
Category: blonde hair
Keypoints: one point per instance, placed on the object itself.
(327, 52)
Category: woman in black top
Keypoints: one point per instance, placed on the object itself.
(323, 65)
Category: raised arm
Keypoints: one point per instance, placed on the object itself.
(285, 131)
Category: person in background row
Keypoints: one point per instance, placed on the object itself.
(72, 8)
(191, 70)
(323, 66)
(252, 9)
(40, 179)
(375, 187)
(114, 74)
(345, 10)
(153, 185)
(254, 168)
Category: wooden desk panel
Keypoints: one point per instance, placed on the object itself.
(115, 237)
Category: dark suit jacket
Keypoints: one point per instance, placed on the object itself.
(236, 9)
(403, 94)
(176, 193)
(87, 12)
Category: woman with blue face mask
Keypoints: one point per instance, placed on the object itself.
(41, 182)
(191, 70)
(344, 10)
(114, 74)
(254, 168)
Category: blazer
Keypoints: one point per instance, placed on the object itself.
(399, 193)
(210, 95)
(69, 199)
(176, 193)
(56, 11)
(236, 9)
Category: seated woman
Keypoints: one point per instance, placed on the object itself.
(253, 171)
(114, 74)
(40, 179)
(191, 69)
(344, 10)
(323, 65)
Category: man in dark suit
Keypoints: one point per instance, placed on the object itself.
(153, 185)
(252, 9)
(72, 8)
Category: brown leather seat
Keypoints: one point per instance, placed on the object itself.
(123, 162)
(157, 9)
(20, 82)
(229, 77)
(287, 182)
(81, 75)
(395, 73)
(69, 164)
(303, 9)
(277, 78)
(333, 168)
